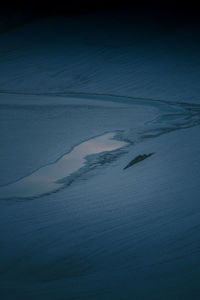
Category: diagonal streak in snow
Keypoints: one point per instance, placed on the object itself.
(52, 177)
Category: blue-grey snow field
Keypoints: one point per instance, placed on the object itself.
(99, 161)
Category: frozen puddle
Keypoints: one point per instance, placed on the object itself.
(52, 177)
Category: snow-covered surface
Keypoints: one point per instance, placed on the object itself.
(102, 53)
(111, 233)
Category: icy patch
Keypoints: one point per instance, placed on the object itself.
(52, 177)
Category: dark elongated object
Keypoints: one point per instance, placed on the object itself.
(137, 159)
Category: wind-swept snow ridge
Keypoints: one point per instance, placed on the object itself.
(54, 176)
